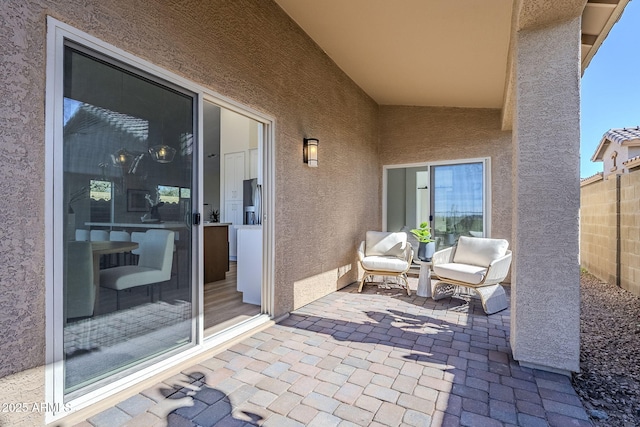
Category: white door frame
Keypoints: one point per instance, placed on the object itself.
(57, 33)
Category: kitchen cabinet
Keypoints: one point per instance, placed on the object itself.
(233, 176)
(233, 215)
(216, 251)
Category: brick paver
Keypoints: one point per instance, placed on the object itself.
(379, 358)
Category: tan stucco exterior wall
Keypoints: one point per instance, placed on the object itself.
(247, 50)
(598, 230)
(428, 134)
(545, 280)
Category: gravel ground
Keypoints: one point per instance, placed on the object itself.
(609, 380)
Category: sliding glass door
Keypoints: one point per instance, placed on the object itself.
(126, 171)
(458, 201)
(452, 197)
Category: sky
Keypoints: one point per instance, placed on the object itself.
(610, 95)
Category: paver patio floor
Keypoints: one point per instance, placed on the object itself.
(380, 358)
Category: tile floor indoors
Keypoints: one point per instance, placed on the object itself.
(380, 358)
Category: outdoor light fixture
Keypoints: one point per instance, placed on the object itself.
(162, 153)
(310, 152)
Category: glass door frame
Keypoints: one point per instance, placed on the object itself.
(486, 188)
(266, 178)
(57, 33)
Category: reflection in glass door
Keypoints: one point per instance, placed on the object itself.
(408, 198)
(127, 173)
(458, 202)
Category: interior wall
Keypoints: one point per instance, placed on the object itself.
(212, 158)
(431, 134)
(247, 50)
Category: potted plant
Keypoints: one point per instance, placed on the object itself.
(214, 215)
(427, 246)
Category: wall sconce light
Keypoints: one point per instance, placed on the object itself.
(310, 152)
(162, 153)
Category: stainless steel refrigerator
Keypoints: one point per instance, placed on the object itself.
(251, 201)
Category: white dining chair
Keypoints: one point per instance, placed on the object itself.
(79, 289)
(138, 237)
(99, 235)
(120, 236)
(154, 265)
(82, 235)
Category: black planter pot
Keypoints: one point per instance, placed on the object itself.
(426, 251)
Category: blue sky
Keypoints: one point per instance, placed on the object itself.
(610, 87)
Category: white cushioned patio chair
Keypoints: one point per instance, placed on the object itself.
(476, 263)
(154, 265)
(385, 254)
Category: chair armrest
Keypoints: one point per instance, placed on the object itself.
(361, 251)
(408, 253)
(498, 269)
(444, 256)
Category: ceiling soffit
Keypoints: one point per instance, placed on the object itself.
(414, 52)
(440, 52)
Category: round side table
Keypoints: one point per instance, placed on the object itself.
(424, 279)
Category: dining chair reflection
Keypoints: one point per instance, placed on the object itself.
(154, 265)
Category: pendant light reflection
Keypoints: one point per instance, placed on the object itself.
(162, 153)
(121, 157)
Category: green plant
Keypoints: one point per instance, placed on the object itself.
(423, 233)
(214, 215)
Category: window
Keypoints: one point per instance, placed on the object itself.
(100, 190)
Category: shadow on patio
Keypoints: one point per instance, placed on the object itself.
(376, 358)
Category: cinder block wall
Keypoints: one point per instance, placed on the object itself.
(598, 231)
(630, 232)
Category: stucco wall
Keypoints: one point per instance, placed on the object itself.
(622, 155)
(427, 134)
(545, 278)
(248, 50)
(598, 229)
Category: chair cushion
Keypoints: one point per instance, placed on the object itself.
(130, 276)
(479, 251)
(384, 263)
(385, 244)
(467, 273)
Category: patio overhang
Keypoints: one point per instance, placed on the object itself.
(441, 53)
